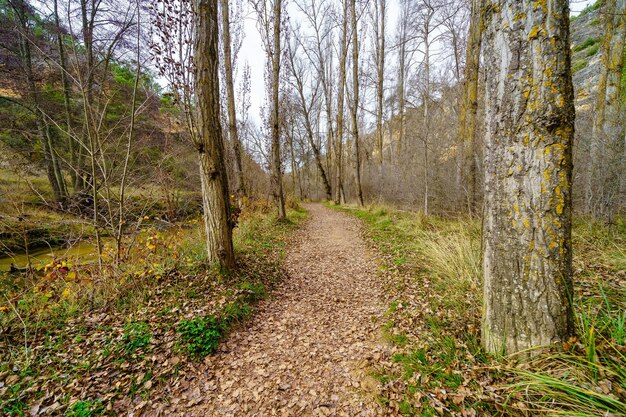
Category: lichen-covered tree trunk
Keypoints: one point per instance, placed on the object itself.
(606, 162)
(528, 160)
(208, 140)
(230, 92)
(469, 105)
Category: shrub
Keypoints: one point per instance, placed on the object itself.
(579, 65)
(593, 50)
(586, 44)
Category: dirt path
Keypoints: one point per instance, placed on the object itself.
(308, 345)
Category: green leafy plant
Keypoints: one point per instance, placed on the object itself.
(86, 409)
(136, 336)
(201, 335)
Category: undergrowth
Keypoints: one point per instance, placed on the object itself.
(69, 330)
(433, 271)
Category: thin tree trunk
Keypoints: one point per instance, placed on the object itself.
(209, 142)
(88, 17)
(528, 160)
(230, 93)
(401, 76)
(66, 95)
(292, 154)
(55, 176)
(340, 103)
(469, 105)
(277, 180)
(131, 131)
(306, 112)
(381, 16)
(603, 173)
(426, 105)
(355, 107)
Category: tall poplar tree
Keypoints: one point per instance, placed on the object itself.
(208, 138)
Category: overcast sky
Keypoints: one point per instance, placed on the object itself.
(252, 48)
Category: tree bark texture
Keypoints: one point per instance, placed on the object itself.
(208, 140)
(528, 160)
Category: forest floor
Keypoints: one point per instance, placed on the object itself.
(366, 311)
(309, 347)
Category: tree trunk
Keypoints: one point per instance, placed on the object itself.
(402, 74)
(381, 16)
(306, 113)
(469, 105)
(355, 107)
(606, 147)
(528, 160)
(53, 170)
(66, 95)
(340, 102)
(230, 93)
(208, 141)
(295, 178)
(426, 105)
(277, 180)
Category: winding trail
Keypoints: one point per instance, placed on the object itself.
(308, 347)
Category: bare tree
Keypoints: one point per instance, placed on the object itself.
(300, 82)
(355, 101)
(341, 87)
(380, 17)
(269, 23)
(45, 130)
(529, 132)
(230, 93)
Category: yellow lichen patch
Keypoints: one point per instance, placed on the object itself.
(519, 16)
(548, 72)
(534, 32)
(547, 174)
(540, 4)
(527, 223)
